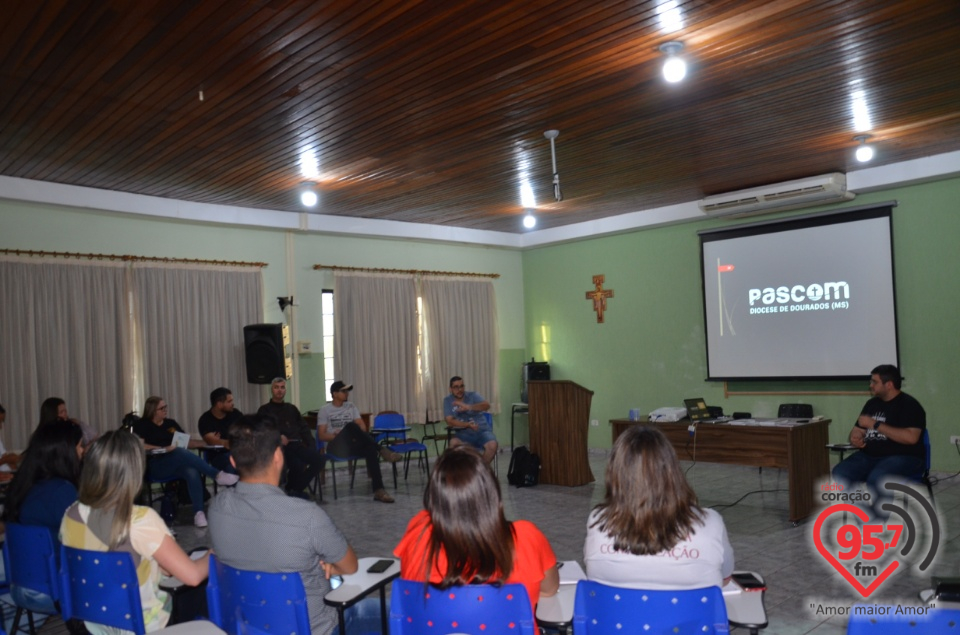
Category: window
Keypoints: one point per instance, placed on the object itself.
(326, 311)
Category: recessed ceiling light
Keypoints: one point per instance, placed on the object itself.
(674, 68)
(864, 152)
(308, 196)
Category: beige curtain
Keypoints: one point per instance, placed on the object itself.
(64, 332)
(375, 321)
(460, 337)
(189, 334)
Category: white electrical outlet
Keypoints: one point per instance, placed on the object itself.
(595, 422)
(955, 439)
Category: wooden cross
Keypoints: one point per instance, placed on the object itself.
(599, 296)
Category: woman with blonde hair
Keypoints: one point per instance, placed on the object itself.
(105, 519)
(462, 536)
(649, 532)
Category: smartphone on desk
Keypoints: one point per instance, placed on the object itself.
(749, 582)
(380, 566)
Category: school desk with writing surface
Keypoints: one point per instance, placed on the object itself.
(800, 448)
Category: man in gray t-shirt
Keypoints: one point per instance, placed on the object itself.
(256, 526)
(340, 425)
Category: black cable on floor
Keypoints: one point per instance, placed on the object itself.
(756, 491)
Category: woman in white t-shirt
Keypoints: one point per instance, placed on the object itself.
(649, 532)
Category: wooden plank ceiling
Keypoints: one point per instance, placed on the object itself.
(434, 112)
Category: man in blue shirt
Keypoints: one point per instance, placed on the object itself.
(465, 411)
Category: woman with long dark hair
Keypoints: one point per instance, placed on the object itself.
(649, 532)
(54, 409)
(157, 432)
(462, 536)
(42, 490)
(105, 519)
(46, 483)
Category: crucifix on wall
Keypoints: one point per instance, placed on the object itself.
(599, 296)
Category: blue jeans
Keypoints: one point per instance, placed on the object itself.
(183, 464)
(875, 471)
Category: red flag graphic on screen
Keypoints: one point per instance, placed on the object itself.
(724, 268)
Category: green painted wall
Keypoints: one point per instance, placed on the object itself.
(650, 351)
(50, 228)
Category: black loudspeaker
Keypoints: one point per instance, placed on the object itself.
(534, 371)
(263, 348)
(537, 371)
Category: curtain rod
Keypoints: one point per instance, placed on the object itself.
(416, 272)
(129, 258)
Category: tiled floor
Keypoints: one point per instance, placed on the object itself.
(764, 540)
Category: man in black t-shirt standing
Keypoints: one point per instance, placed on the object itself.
(214, 425)
(889, 435)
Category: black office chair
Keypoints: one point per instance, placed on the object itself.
(795, 411)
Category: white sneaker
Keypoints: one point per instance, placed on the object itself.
(226, 479)
(200, 519)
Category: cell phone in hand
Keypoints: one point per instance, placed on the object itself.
(380, 566)
(749, 582)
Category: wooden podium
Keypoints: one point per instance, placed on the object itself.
(559, 421)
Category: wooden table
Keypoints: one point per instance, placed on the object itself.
(800, 449)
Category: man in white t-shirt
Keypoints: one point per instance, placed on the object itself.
(346, 434)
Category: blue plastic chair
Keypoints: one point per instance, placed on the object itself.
(940, 621)
(606, 610)
(333, 459)
(31, 565)
(256, 601)
(100, 587)
(399, 443)
(476, 609)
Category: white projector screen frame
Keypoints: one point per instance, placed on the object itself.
(808, 297)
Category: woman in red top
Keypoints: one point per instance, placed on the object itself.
(462, 536)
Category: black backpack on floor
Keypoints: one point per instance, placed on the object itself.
(524, 468)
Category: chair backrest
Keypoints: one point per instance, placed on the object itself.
(600, 610)
(100, 587)
(31, 559)
(271, 602)
(795, 410)
(936, 620)
(925, 437)
(489, 418)
(477, 609)
(388, 420)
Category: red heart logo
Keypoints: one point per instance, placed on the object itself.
(829, 557)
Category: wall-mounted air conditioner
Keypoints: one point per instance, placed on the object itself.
(816, 190)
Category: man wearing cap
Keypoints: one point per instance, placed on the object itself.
(303, 461)
(346, 434)
(464, 411)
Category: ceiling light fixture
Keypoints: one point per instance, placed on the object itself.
(552, 135)
(674, 69)
(529, 221)
(864, 152)
(308, 196)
